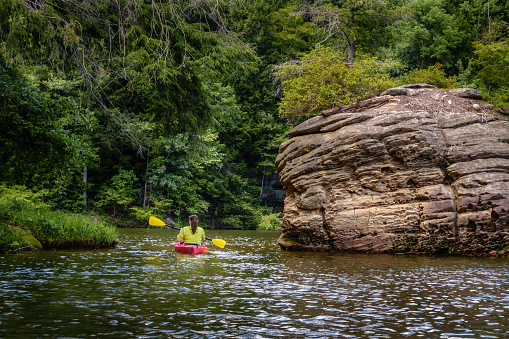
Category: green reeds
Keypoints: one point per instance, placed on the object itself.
(21, 221)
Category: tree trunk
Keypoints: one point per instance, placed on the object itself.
(261, 188)
(145, 192)
(351, 39)
(85, 179)
(351, 50)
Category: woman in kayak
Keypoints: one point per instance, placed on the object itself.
(192, 234)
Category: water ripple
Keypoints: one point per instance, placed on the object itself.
(249, 289)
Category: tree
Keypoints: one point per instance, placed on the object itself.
(491, 65)
(38, 144)
(140, 70)
(430, 34)
(119, 192)
(322, 80)
(349, 22)
(137, 59)
(293, 34)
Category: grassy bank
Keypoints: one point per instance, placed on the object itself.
(25, 223)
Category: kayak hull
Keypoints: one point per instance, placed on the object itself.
(186, 249)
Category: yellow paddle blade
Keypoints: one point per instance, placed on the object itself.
(155, 221)
(219, 242)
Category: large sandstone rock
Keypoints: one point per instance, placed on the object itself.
(425, 171)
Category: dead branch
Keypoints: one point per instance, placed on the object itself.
(358, 106)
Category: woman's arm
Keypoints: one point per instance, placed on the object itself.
(181, 236)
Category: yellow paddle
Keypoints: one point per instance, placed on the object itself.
(158, 222)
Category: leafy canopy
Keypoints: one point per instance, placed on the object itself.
(491, 64)
(429, 35)
(37, 143)
(322, 80)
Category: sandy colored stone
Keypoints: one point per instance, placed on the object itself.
(424, 173)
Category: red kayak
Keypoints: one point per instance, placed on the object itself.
(190, 249)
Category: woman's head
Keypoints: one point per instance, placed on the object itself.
(193, 221)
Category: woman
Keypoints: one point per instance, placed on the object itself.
(192, 234)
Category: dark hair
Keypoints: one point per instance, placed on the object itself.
(194, 222)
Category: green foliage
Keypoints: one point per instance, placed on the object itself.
(152, 73)
(18, 193)
(204, 180)
(322, 80)
(270, 222)
(232, 198)
(433, 75)
(162, 205)
(293, 34)
(37, 143)
(279, 33)
(222, 195)
(149, 59)
(350, 24)
(171, 177)
(466, 76)
(241, 216)
(492, 68)
(23, 219)
(141, 214)
(120, 191)
(9, 240)
(429, 35)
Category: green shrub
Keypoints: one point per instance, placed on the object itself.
(433, 75)
(270, 222)
(18, 193)
(232, 222)
(491, 67)
(141, 214)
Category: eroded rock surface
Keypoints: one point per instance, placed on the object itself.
(425, 171)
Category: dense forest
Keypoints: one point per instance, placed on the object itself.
(127, 108)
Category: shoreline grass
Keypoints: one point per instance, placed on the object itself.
(25, 223)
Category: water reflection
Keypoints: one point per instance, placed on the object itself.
(249, 289)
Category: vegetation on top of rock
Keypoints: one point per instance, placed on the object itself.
(322, 80)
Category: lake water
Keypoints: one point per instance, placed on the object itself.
(248, 289)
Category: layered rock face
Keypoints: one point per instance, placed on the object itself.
(417, 170)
